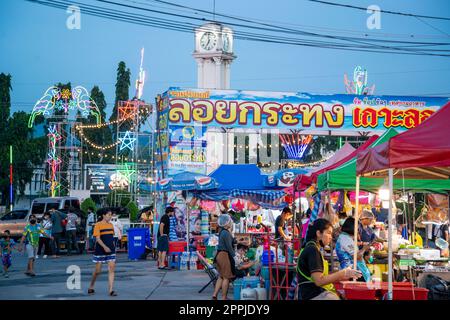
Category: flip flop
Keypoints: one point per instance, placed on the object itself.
(113, 294)
(91, 291)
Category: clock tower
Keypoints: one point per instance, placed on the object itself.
(214, 55)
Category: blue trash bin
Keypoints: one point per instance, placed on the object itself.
(138, 239)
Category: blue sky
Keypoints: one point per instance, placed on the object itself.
(38, 50)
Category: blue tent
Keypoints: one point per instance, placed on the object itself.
(238, 176)
(243, 181)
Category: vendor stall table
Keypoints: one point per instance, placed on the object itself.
(378, 290)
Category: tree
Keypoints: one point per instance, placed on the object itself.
(134, 211)
(5, 99)
(86, 204)
(28, 152)
(122, 87)
(99, 136)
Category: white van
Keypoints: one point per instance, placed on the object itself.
(41, 205)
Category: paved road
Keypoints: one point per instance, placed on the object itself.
(139, 280)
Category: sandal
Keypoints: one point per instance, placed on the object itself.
(214, 298)
(91, 291)
(113, 294)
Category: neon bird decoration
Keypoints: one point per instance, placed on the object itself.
(66, 100)
(359, 83)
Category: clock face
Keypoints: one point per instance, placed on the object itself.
(208, 40)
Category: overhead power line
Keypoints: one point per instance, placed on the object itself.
(383, 11)
(341, 43)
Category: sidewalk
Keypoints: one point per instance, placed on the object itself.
(135, 280)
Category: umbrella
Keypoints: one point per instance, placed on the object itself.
(187, 181)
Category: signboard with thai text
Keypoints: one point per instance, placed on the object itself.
(290, 110)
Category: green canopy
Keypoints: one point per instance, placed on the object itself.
(344, 177)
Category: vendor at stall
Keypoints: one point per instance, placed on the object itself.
(345, 249)
(314, 281)
(280, 225)
(366, 232)
(243, 264)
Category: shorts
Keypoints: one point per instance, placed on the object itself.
(104, 258)
(6, 260)
(163, 243)
(31, 251)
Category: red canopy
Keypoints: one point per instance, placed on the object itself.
(424, 150)
(347, 152)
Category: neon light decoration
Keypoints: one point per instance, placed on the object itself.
(65, 100)
(295, 145)
(52, 159)
(127, 171)
(123, 176)
(141, 79)
(127, 140)
(359, 83)
(128, 111)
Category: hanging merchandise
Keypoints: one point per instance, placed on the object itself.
(204, 223)
(238, 206)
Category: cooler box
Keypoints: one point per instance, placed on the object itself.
(243, 283)
(237, 285)
(138, 239)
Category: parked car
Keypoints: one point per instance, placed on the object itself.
(41, 205)
(14, 221)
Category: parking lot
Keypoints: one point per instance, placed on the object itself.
(135, 280)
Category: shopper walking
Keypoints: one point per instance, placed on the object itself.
(44, 239)
(31, 238)
(58, 225)
(105, 251)
(71, 231)
(163, 237)
(224, 259)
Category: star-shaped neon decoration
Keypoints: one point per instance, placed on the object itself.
(127, 171)
(127, 141)
(128, 111)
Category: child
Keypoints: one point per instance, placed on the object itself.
(6, 245)
(31, 237)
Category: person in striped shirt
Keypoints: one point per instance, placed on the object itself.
(105, 250)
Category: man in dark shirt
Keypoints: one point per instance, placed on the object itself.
(163, 237)
(280, 224)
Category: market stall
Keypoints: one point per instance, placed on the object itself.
(420, 153)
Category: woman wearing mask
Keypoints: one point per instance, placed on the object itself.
(314, 281)
(224, 259)
(345, 249)
(44, 239)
